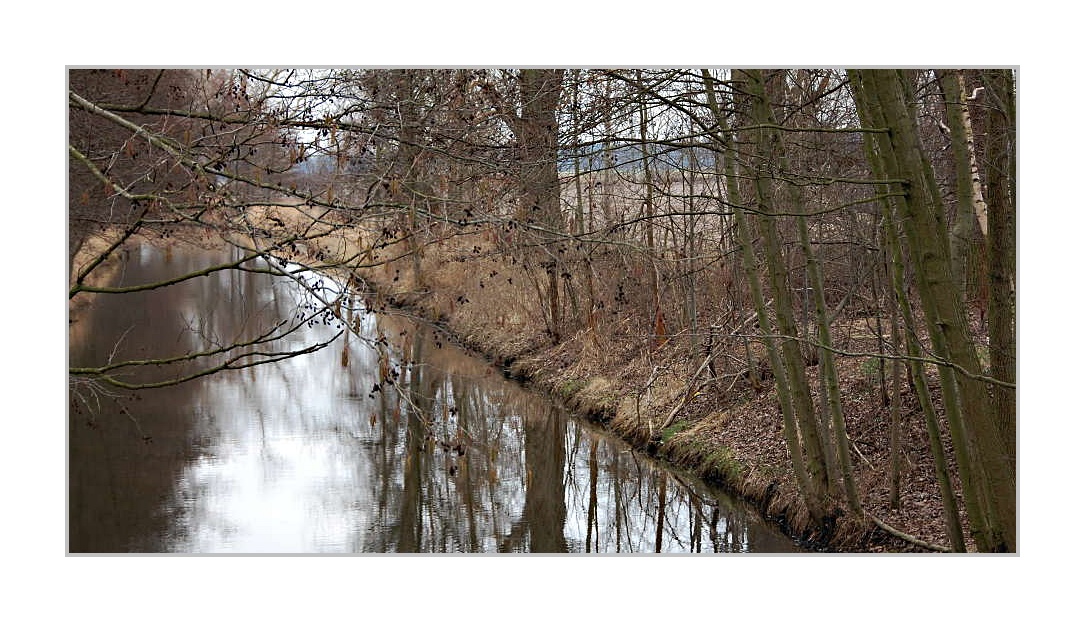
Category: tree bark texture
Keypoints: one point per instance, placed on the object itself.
(888, 95)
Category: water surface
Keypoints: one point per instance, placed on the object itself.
(390, 439)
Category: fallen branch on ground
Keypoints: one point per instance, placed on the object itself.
(907, 538)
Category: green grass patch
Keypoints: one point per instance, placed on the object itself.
(723, 462)
(571, 387)
(670, 431)
(869, 368)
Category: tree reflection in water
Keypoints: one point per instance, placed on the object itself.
(410, 446)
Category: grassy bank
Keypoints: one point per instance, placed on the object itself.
(657, 394)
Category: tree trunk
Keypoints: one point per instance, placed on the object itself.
(892, 240)
(766, 145)
(749, 266)
(649, 204)
(815, 279)
(888, 94)
(1001, 178)
(971, 208)
(537, 135)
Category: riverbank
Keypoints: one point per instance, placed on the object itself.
(663, 395)
(326, 454)
(725, 428)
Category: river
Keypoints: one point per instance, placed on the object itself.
(390, 439)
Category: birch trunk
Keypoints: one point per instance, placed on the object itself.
(971, 208)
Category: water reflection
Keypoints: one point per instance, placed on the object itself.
(390, 440)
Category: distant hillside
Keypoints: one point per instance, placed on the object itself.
(628, 157)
